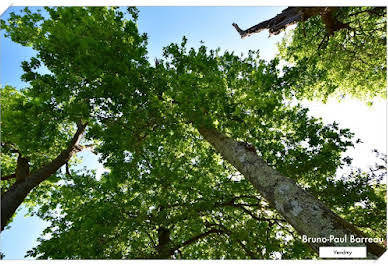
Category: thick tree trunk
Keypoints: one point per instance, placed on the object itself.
(163, 247)
(292, 15)
(16, 194)
(308, 215)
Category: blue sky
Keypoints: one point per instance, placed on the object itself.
(213, 26)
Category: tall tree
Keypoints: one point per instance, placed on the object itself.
(59, 99)
(235, 104)
(338, 51)
(205, 71)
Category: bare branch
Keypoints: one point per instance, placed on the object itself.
(293, 15)
(287, 17)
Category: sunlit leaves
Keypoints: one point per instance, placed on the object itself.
(352, 62)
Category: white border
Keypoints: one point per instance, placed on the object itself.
(4, 4)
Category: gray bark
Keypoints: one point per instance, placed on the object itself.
(16, 194)
(303, 211)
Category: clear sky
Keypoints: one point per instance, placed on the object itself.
(212, 25)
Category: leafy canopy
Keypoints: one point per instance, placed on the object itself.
(164, 179)
(351, 62)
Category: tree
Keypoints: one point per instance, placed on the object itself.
(58, 99)
(176, 109)
(39, 154)
(338, 51)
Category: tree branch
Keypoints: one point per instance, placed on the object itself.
(22, 168)
(196, 238)
(229, 233)
(287, 17)
(152, 240)
(371, 11)
(68, 170)
(16, 194)
(292, 15)
(7, 177)
(10, 147)
(250, 253)
(89, 147)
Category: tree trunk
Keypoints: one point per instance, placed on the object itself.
(292, 15)
(163, 247)
(16, 194)
(308, 215)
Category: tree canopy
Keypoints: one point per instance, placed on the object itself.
(170, 192)
(333, 51)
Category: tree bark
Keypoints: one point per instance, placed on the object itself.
(292, 15)
(22, 168)
(163, 247)
(308, 215)
(16, 194)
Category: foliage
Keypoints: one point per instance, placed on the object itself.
(361, 195)
(163, 176)
(352, 62)
(32, 128)
(121, 219)
(39, 120)
(21, 113)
